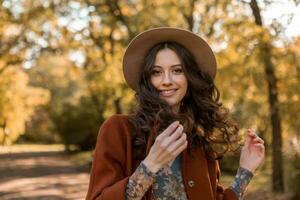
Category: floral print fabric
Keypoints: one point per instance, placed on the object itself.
(167, 183)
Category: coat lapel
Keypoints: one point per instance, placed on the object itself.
(195, 175)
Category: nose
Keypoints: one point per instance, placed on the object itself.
(167, 79)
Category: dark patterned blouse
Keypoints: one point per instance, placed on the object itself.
(167, 183)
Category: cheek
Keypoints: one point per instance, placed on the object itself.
(185, 90)
(184, 83)
(185, 87)
(154, 81)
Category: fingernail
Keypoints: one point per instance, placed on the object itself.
(176, 123)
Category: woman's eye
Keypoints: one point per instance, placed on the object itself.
(155, 72)
(178, 70)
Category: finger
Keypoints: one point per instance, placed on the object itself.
(261, 147)
(178, 143)
(258, 140)
(248, 138)
(164, 142)
(170, 151)
(177, 134)
(181, 149)
(252, 133)
(171, 128)
(251, 136)
(255, 138)
(175, 153)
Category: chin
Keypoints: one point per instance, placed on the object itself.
(173, 104)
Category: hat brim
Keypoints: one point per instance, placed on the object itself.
(140, 45)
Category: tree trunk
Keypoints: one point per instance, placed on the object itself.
(118, 107)
(5, 133)
(277, 178)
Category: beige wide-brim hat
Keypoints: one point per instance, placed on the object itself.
(139, 46)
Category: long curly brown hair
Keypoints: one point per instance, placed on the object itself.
(205, 120)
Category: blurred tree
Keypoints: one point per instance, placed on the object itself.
(18, 98)
(78, 124)
(17, 103)
(64, 81)
(265, 48)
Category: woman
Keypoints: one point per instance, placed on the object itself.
(169, 148)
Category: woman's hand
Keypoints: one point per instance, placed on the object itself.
(167, 146)
(253, 151)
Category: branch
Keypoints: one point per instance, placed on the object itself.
(190, 16)
(256, 12)
(116, 11)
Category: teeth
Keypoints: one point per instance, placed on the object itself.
(167, 92)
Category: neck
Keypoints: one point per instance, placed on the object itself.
(175, 108)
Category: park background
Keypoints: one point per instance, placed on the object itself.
(61, 77)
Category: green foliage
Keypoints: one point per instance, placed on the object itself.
(230, 162)
(40, 129)
(78, 124)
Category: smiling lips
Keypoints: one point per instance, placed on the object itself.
(167, 93)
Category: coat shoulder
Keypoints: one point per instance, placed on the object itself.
(116, 126)
(117, 119)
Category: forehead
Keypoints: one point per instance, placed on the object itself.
(165, 57)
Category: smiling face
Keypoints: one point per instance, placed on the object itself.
(168, 78)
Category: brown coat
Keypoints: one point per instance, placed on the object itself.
(113, 165)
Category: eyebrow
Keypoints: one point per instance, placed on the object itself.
(176, 65)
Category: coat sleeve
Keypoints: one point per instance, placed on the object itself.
(108, 178)
(223, 194)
